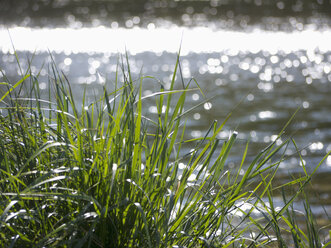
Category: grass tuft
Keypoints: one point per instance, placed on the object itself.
(108, 175)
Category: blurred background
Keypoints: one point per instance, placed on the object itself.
(242, 15)
(272, 56)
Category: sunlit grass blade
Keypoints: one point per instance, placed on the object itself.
(14, 86)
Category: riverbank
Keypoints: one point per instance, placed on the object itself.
(106, 173)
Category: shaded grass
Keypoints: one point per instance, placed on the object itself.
(105, 174)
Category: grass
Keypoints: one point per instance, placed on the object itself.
(105, 174)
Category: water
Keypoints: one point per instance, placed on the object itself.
(274, 56)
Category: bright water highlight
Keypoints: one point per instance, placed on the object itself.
(138, 40)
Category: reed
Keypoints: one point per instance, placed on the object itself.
(105, 174)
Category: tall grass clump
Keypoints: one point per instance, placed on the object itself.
(105, 174)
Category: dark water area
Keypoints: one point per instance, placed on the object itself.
(240, 14)
(271, 83)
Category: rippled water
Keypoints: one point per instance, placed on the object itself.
(272, 60)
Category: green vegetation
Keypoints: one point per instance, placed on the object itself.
(107, 175)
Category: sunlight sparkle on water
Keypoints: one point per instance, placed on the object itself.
(328, 161)
(267, 114)
(136, 40)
